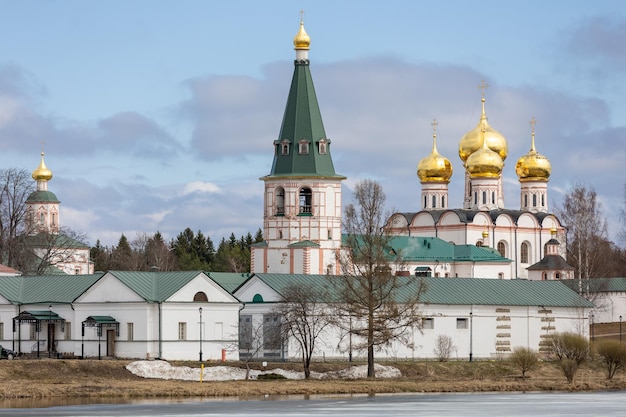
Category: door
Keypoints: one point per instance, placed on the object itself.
(110, 342)
(51, 340)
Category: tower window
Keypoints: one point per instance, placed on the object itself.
(525, 200)
(557, 276)
(306, 197)
(322, 147)
(434, 201)
(443, 201)
(303, 147)
(524, 253)
(425, 201)
(493, 198)
(41, 219)
(543, 201)
(484, 197)
(280, 201)
(534, 200)
(284, 145)
(475, 197)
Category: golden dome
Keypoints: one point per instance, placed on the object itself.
(533, 166)
(484, 163)
(435, 167)
(302, 39)
(472, 140)
(42, 173)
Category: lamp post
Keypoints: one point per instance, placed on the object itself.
(620, 328)
(200, 311)
(471, 330)
(592, 316)
(50, 332)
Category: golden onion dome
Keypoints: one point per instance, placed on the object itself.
(484, 163)
(434, 167)
(42, 173)
(472, 140)
(302, 39)
(533, 166)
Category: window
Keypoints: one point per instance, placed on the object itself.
(68, 331)
(322, 146)
(41, 219)
(130, 332)
(76, 271)
(500, 275)
(475, 197)
(271, 332)
(200, 296)
(53, 221)
(524, 253)
(543, 201)
(306, 195)
(245, 332)
(461, 323)
(434, 201)
(544, 277)
(443, 202)
(182, 331)
(428, 323)
(484, 197)
(330, 234)
(525, 200)
(303, 147)
(557, 276)
(479, 243)
(1, 331)
(280, 201)
(284, 145)
(493, 198)
(502, 249)
(425, 201)
(534, 200)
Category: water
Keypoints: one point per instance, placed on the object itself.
(441, 405)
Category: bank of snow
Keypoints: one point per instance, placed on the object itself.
(163, 370)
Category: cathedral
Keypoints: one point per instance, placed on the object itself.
(302, 210)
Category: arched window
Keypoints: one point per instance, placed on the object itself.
(443, 201)
(434, 201)
(479, 243)
(557, 276)
(306, 196)
(484, 197)
(502, 249)
(285, 147)
(524, 258)
(425, 201)
(42, 219)
(543, 200)
(280, 201)
(544, 277)
(500, 275)
(303, 147)
(534, 200)
(200, 296)
(322, 146)
(258, 298)
(525, 200)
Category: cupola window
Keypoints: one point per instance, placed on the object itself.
(305, 200)
(284, 146)
(322, 147)
(303, 147)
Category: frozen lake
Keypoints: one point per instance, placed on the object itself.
(441, 405)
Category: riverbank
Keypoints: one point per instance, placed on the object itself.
(51, 378)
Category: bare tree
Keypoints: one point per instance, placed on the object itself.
(304, 316)
(15, 187)
(45, 250)
(586, 234)
(443, 347)
(375, 305)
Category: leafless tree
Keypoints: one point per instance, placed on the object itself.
(15, 187)
(375, 305)
(443, 347)
(304, 315)
(45, 250)
(587, 241)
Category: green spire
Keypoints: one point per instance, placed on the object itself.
(302, 148)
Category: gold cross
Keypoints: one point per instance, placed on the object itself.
(483, 86)
(434, 125)
(301, 16)
(533, 122)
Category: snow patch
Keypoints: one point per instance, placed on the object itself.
(163, 370)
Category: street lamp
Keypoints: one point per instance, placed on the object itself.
(50, 332)
(592, 316)
(200, 311)
(620, 328)
(471, 329)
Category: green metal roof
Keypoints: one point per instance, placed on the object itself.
(155, 286)
(304, 244)
(302, 120)
(453, 291)
(230, 281)
(101, 320)
(46, 288)
(616, 284)
(42, 197)
(433, 249)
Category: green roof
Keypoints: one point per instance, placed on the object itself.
(46, 288)
(616, 284)
(45, 239)
(455, 291)
(433, 249)
(302, 120)
(42, 197)
(155, 286)
(230, 281)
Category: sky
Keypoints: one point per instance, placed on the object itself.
(158, 115)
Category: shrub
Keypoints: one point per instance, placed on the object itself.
(613, 355)
(570, 346)
(443, 347)
(569, 368)
(524, 359)
(270, 376)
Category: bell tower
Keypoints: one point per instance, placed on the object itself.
(302, 199)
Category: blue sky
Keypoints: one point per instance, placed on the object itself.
(160, 115)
